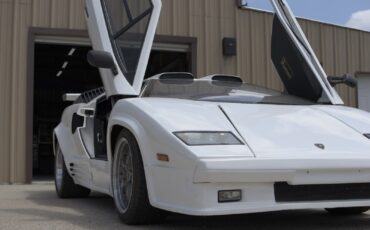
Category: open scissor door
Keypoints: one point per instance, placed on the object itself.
(295, 60)
(125, 29)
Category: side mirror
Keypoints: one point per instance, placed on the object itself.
(346, 79)
(101, 59)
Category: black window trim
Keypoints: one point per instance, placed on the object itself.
(132, 23)
(129, 15)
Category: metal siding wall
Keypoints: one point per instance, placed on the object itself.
(197, 29)
(365, 54)
(353, 62)
(77, 14)
(340, 50)
(60, 13)
(228, 29)
(18, 117)
(6, 41)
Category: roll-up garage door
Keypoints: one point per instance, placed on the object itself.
(364, 91)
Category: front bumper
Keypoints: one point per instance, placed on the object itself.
(196, 192)
(293, 171)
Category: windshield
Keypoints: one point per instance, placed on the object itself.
(219, 91)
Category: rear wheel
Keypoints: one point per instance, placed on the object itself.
(348, 211)
(64, 184)
(129, 184)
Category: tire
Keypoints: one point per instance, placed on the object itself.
(129, 184)
(348, 211)
(64, 184)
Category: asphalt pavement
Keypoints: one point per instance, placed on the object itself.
(37, 207)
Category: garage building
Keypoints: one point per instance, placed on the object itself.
(43, 44)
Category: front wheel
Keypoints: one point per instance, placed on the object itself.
(348, 211)
(129, 184)
(64, 184)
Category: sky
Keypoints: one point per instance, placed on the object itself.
(351, 13)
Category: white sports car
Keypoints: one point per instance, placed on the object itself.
(214, 145)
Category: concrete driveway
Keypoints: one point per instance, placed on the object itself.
(37, 207)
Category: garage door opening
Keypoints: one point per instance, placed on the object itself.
(363, 91)
(58, 69)
(61, 69)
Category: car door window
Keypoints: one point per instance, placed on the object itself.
(128, 22)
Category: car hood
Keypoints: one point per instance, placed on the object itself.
(270, 131)
(298, 131)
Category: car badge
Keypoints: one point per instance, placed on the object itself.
(320, 146)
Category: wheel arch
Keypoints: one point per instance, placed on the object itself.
(114, 133)
(138, 132)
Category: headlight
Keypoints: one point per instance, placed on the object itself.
(367, 135)
(208, 138)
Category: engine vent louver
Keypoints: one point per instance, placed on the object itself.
(90, 95)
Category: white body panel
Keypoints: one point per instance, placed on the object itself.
(294, 131)
(190, 181)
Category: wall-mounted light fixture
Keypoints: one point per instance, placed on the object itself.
(242, 3)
